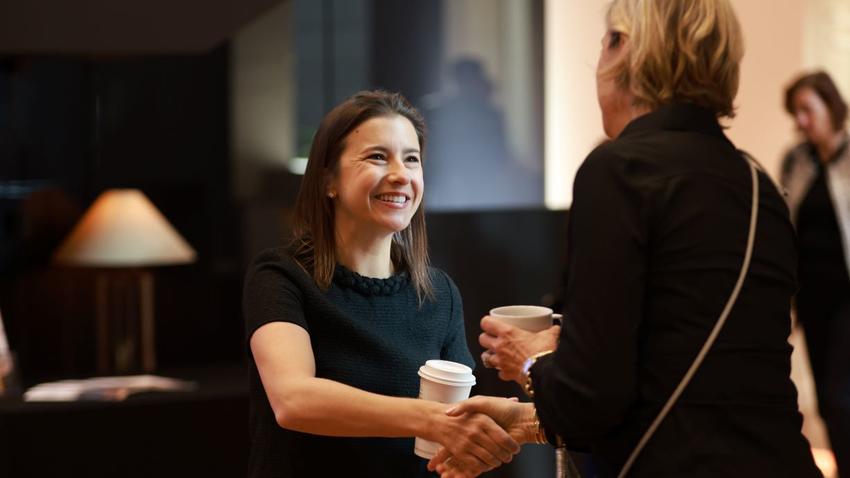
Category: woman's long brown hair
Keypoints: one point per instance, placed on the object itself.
(314, 234)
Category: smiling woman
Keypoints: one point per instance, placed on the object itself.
(339, 322)
(353, 132)
(378, 185)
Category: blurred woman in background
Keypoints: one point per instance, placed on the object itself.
(816, 174)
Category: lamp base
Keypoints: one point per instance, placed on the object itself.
(9, 383)
(125, 322)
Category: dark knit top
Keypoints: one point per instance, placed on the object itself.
(369, 333)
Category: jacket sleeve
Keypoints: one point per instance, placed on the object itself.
(786, 168)
(586, 387)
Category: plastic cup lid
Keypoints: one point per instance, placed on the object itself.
(447, 371)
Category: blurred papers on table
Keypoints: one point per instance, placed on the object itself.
(104, 388)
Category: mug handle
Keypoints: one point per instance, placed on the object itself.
(557, 319)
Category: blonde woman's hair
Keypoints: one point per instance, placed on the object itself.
(678, 50)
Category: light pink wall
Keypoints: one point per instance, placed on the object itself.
(773, 35)
(572, 122)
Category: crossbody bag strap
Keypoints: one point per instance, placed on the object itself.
(714, 332)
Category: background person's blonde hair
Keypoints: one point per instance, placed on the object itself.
(683, 50)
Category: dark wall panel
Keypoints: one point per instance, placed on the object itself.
(73, 127)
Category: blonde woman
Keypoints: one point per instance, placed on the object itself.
(657, 238)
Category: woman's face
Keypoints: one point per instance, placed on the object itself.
(614, 102)
(378, 184)
(811, 116)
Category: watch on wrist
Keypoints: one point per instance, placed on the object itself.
(528, 388)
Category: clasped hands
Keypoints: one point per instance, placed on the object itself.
(506, 349)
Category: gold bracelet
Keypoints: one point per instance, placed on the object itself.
(528, 387)
(540, 436)
(537, 432)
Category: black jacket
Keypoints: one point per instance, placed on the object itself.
(657, 236)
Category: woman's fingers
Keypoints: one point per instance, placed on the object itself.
(490, 360)
(488, 457)
(493, 326)
(494, 453)
(506, 376)
(475, 404)
(472, 456)
(497, 441)
(484, 444)
(506, 450)
(483, 440)
(507, 347)
(451, 471)
(488, 341)
(438, 459)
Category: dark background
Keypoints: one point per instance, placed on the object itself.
(75, 127)
(74, 123)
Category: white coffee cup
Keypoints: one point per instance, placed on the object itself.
(446, 382)
(533, 318)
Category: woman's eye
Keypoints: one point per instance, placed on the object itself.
(412, 159)
(378, 157)
(615, 39)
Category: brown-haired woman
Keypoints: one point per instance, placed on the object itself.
(339, 323)
(816, 174)
(661, 230)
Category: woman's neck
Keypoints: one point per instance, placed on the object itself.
(365, 254)
(627, 114)
(827, 149)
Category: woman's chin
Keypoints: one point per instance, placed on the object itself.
(393, 227)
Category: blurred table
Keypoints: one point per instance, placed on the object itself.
(203, 432)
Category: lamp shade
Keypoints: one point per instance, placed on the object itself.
(124, 229)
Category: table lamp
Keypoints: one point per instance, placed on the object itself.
(6, 360)
(122, 235)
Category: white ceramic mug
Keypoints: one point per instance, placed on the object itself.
(533, 318)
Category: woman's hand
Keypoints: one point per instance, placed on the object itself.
(474, 440)
(508, 347)
(450, 469)
(517, 419)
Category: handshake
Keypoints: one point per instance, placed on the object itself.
(481, 433)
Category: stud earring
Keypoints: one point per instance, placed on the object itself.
(331, 194)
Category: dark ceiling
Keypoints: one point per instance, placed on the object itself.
(122, 26)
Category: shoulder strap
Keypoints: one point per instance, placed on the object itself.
(714, 333)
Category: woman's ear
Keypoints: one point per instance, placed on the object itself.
(330, 185)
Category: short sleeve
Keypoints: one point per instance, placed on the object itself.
(270, 295)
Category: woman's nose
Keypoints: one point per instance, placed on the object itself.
(398, 173)
(801, 120)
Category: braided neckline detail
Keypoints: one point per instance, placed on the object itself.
(370, 285)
